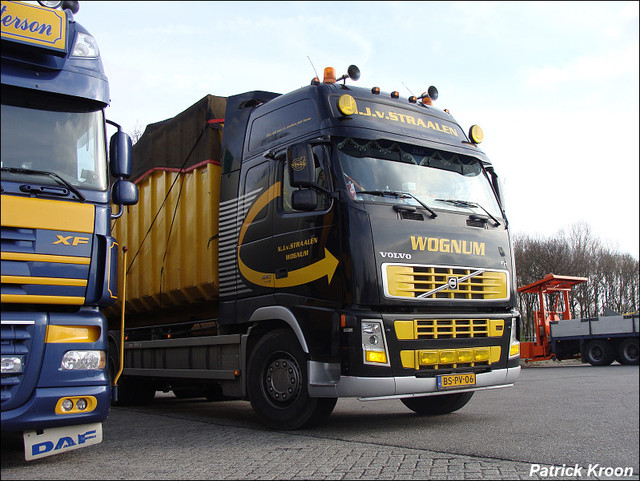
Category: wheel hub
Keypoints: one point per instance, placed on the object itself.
(282, 380)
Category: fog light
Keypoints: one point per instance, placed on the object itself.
(465, 355)
(448, 356)
(481, 354)
(76, 405)
(428, 358)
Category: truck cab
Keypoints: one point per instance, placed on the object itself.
(59, 260)
(374, 227)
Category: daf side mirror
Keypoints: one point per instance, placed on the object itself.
(120, 155)
(124, 192)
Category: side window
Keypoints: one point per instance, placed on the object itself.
(257, 179)
(321, 178)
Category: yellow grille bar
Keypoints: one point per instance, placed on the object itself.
(438, 282)
(448, 328)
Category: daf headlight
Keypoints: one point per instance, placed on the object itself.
(374, 344)
(85, 46)
(83, 360)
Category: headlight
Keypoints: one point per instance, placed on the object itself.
(12, 364)
(83, 360)
(85, 46)
(374, 345)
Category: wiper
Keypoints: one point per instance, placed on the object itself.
(466, 203)
(384, 193)
(53, 175)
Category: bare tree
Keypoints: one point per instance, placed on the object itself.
(613, 278)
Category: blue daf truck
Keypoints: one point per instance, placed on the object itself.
(59, 260)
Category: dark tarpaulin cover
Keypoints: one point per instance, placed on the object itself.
(167, 144)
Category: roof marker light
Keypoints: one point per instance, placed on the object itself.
(375, 90)
(395, 94)
(413, 99)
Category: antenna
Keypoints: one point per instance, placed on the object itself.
(407, 88)
(314, 69)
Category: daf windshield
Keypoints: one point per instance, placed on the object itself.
(41, 133)
(379, 171)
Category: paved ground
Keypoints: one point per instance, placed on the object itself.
(499, 435)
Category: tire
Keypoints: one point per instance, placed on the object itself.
(436, 405)
(277, 384)
(628, 352)
(599, 352)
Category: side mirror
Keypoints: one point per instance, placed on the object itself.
(120, 155)
(124, 192)
(304, 200)
(301, 166)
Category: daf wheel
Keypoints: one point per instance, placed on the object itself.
(435, 405)
(277, 384)
(628, 352)
(599, 352)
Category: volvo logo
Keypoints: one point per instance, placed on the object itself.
(452, 282)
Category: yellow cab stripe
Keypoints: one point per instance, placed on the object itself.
(44, 281)
(19, 256)
(30, 213)
(60, 300)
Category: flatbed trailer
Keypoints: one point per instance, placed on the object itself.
(597, 340)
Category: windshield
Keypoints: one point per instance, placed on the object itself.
(379, 170)
(45, 134)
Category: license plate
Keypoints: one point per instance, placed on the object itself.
(452, 381)
(39, 444)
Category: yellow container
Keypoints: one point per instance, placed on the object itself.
(171, 234)
(171, 237)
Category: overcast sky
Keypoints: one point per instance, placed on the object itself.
(553, 85)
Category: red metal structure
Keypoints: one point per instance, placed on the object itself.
(540, 348)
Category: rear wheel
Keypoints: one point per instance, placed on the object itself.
(628, 352)
(277, 384)
(599, 352)
(435, 405)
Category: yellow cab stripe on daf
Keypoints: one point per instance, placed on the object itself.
(30, 213)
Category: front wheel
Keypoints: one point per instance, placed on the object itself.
(435, 405)
(277, 384)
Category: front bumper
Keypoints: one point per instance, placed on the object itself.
(39, 411)
(374, 388)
